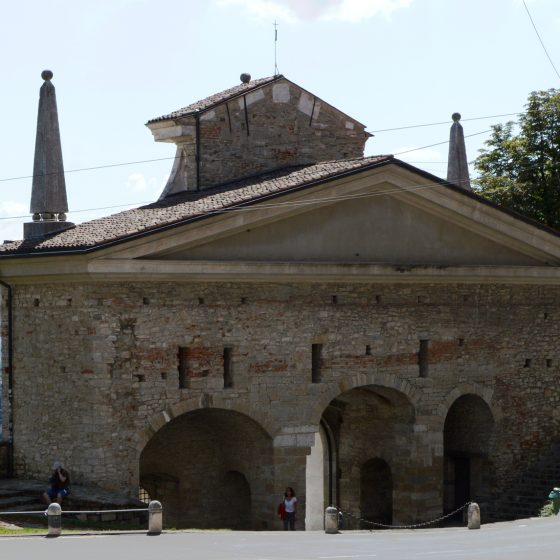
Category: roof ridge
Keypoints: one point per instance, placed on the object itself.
(217, 98)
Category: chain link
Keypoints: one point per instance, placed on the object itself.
(414, 526)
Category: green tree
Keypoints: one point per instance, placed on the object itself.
(520, 167)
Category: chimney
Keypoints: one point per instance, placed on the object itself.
(457, 165)
(48, 193)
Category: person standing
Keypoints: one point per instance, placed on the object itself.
(290, 508)
(59, 485)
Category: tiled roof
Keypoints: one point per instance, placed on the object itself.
(181, 208)
(216, 99)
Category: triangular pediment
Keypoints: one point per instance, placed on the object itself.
(380, 229)
(391, 215)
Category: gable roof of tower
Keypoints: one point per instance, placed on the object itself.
(230, 94)
(217, 98)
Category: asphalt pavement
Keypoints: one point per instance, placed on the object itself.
(528, 539)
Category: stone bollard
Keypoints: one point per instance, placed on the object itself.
(473, 516)
(54, 519)
(331, 520)
(155, 517)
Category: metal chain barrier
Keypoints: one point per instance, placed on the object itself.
(414, 526)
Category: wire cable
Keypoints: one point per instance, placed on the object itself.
(539, 36)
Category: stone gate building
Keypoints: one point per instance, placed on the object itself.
(288, 313)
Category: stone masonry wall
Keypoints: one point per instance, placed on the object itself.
(276, 126)
(96, 371)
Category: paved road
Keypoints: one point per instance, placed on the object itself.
(531, 539)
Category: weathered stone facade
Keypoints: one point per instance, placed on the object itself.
(103, 391)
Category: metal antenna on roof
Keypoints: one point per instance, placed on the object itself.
(275, 41)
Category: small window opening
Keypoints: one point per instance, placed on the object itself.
(164, 375)
(143, 495)
(200, 301)
(548, 362)
(423, 358)
(243, 300)
(421, 299)
(461, 342)
(228, 367)
(368, 350)
(335, 299)
(141, 377)
(377, 299)
(146, 301)
(527, 363)
(316, 359)
(69, 302)
(545, 315)
(183, 367)
(36, 302)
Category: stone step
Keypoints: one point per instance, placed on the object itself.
(6, 503)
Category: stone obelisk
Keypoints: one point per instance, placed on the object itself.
(48, 194)
(457, 164)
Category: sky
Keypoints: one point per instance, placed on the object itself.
(390, 64)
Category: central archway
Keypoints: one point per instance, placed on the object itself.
(210, 468)
(370, 432)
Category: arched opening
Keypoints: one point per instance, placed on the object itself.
(468, 438)
(210, 469)
(371, 422)
(376, 492)
(236, 501)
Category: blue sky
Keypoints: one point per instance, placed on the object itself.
(387, 63)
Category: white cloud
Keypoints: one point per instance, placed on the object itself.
(264, 9)
(152, 186)
(354, 11)
(296, 11)
(137, 183)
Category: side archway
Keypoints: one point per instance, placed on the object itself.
(468, 438)
(210, 468)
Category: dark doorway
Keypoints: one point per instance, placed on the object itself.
(462, 483)
(376, 493)
(236, 498)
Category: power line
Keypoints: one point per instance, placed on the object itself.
(300, 203)
(446, 122)
(440, 143)
(149, 202)
(88, 168)
(539, 36)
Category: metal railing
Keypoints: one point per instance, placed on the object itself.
(54, 515)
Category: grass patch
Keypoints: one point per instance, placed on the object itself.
(38, 524)
(546, 510)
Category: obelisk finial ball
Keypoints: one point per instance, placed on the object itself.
(46, 75)
(456, 117)
(245, 78)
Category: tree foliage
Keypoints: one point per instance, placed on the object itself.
(520, 169)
